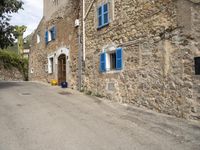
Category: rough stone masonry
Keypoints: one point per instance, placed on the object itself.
(62, 16)
(159, 38)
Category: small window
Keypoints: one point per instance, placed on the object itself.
(50, 35)
(38, 38)
(110, 61)
(197, 65)
(50, 65)
(103, 15)
(32, 70)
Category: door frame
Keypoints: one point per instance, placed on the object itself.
(62, 68)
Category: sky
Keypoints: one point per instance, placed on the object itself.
(30, 16)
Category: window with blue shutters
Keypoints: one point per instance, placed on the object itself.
(111, 60)
(103, 15)
(50, 35)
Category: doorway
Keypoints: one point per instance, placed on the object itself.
(61, 69)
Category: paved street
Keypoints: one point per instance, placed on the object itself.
(36, 116)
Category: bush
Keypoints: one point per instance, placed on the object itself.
(10, 59)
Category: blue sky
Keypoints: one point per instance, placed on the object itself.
(30, 16)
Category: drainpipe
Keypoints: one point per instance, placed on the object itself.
(80, 63)
(83, 30)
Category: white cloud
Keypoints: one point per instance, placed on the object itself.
(30, 16)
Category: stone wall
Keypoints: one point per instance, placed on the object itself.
(66, 37)
(38, 56)
(52, 6)
(11, 74)
(195, 47)
(158, 51)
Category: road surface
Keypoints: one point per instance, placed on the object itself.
(36, 116)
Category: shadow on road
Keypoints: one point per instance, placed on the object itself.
(4, 85)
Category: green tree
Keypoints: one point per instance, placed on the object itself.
(18, 32)
(7, 7)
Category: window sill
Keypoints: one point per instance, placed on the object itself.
(49, 42)
(100, 27)
(112, 71)
(50, 73)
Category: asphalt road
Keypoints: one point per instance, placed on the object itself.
(35, 116)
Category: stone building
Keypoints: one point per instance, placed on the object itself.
(141, 52)
(54, 47)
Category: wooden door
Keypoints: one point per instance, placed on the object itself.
(61, 69)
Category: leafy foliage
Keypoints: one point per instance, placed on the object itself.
(6, 30)
(9, 60)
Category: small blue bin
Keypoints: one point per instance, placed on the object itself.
(64, 84)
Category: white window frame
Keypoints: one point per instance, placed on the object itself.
(109, 49)
(49, 36)
(50, 64)
(32, 71)
(111, 8)
(38, 38)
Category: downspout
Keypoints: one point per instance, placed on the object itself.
(84, 30)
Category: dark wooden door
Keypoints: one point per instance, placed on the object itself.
(61, 69)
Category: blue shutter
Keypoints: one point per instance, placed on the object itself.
(119, 58)
(103, 62)
(100, 17)
(105, 14)
(46, 37)
(54, 33)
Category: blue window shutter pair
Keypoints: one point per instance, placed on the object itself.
(103, 62)
(46, 37)
(103, 15)
(52, 34)
(119, 59)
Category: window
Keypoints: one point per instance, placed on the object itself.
(32, 70)
(50, 35)
(38, 38)
(197, 65)
(103, 15)
(110, 61)
(50, 65)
